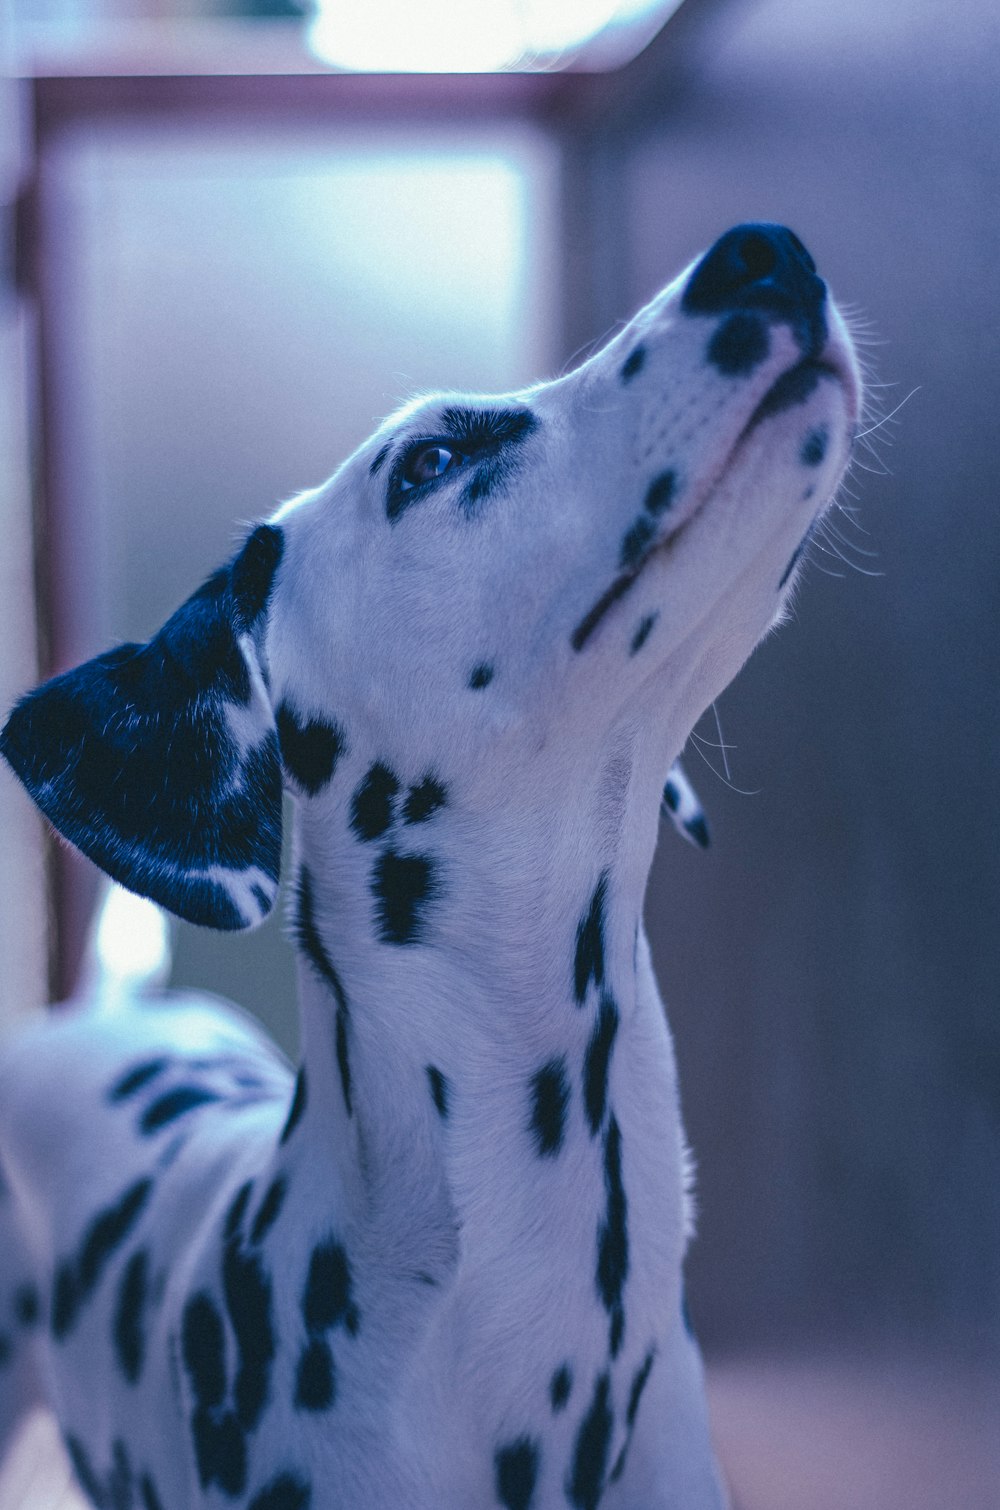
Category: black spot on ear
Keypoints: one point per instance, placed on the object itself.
(549, 1095)
(149, 1494)
(516, 1470)
(134, 1079)
(372, 803)
(588, 962)
(403, 885)
(286, 1492)
(327, 1298)
(297, 1107)
(203, 1349)
(639, 1383)
(27, 1305)
(77, 1278)
(310, 748)
(424, 800)
(585, 1484)
(597, 1062)
(237, 1211)
(480, 676)
(612, 1238)
(315, 1381)
(814, 447)
(560, 1387)
(660, 493)
(379, 461)
(129, 1321)
(642, 633)
(633, 363)
(253, 572)
(269, 1209)
(635, 541)
(173, 1104)
(739, 345)
(439, 1090)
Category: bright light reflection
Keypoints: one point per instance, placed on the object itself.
(463, 36)
(133, 939)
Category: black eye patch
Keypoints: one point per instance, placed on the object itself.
(480, 442)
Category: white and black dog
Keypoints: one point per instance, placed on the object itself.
(442, 1269)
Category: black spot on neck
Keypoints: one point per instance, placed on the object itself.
(27, 1305)
(203, 1350)
(372, 803)
(440, 1091)
(560, 1387)
(149, 1494)
(635, 541)
(134, 1079)
(588, 963)
(327, 1300)
(247, 1291)
(642, 633)
(315, 1377)
(660, 493)
(424, 800)
(549, 1101)
(590, 1456)
(480, 676)
(639, 1382)
(77, 1278)
(516, 1472)
(633, 363)
(612, 1238)
(597, 1063)
(237, 1210)
(175, 1103)
(129, 1319)
(298, 1106)
(310, 748)
(269, 1209)
(286, 1492)
(403, 885)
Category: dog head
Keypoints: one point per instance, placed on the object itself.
(495, 583)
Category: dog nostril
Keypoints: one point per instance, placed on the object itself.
(754, 258)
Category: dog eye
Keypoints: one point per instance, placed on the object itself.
(429, 461)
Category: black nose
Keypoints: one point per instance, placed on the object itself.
(763, 268)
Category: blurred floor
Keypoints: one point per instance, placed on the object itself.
(808, 1434)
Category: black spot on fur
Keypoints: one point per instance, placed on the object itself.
(327, 1300)
(516, 1470)
(635, 541)
(315, 1382)
(480, 676)
(134, 1079)
(402, 886)
(77, 1278)
(310, 749)
(619, 587)
(560, 1387)
(286, 1492)
(639, 1383)
(86, 1477)
(597, 1062)
(343, 1058)
(220, 1451)
(814, 447)
(790, 390)
(149, 1493)
(633, 363)
(372, 803)
(173, 1104)
(247, 1291)
(642, 633)
(379, 461)
(439, 1090)
(27, 1305)
(269, 1209)
(549, 1100)
(660, 493)
(308, 937)
(739, 345)
(237, 1211)
(203, 1349)
(585, 1484)
(423, 801)
(612, 1238)
(129, 1321)
(588, 964)
(297, 1107)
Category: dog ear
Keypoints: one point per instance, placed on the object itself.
(160, 761)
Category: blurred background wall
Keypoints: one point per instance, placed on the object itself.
(234, 313)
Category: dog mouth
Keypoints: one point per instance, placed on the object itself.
(792, 388)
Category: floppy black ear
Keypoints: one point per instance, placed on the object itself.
(160, 761)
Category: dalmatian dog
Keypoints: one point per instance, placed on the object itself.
(439, 1267)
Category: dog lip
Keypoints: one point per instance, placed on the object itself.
(809, 369)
